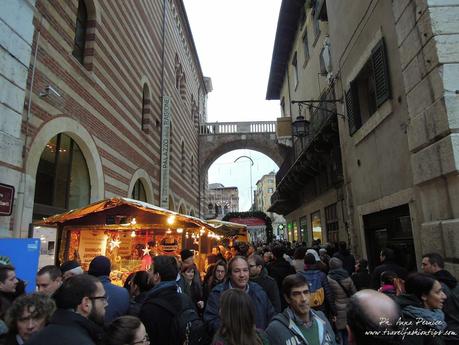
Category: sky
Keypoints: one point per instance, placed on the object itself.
(234, 40)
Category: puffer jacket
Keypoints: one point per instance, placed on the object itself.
(341, 298)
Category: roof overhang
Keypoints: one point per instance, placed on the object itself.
(287, 27)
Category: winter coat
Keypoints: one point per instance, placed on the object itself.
(9, 339)
(412, 309)
(270, 286)
(283, 330)
(341, 297)
(69, 328)
(328, 307)
(264, 310)
(159, 322)
(451, 305)
(118, 300)
(375, 282)
(348, 260)
(136, 303)
(279, 269)
(361, 279)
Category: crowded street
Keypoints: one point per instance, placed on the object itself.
(262, 172)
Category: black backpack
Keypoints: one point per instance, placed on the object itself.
(187, 324)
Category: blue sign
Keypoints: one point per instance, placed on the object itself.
(23, 254)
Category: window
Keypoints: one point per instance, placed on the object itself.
(62, 180)
(192, 170)
(270, 190)
(369, 90)
(182, 159)
(316, 226)
(332, 225)
(295, 71)
(145, 124)
(305, 46)
(80, 32)
(138, 192)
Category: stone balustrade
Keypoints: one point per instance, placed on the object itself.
(237, 127)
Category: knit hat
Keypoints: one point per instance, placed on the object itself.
(69, 265)
(186, 253)
(335, 263)
(100, 266)
(313, 252)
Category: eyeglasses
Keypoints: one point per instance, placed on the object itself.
(104, 297)
(145, 340)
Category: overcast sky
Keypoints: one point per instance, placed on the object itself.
(234, 40)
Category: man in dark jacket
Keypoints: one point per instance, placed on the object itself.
(81, 303)
(238, 273)
(279, 268)
(346, 257)
(163, 303)
(259, 275)
(8, 284)
(434, 264)
(361, 276)
(387, 258)
(100, 267)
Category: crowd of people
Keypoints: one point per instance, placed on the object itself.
(269, 294)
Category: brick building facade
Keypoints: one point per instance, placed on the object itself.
(102, 76)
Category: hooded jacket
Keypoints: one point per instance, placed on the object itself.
(283, 330)
(69, 328)
(412, 311)
(342, 297)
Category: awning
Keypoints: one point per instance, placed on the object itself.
(228, 229)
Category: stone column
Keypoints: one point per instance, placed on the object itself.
(428, 40)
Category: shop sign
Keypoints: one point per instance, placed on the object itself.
(165, 151)
(92, 244)
(6, 199)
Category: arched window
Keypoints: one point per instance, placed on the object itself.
(183, 86)
(62, 180)
(210, 207)
(145, 124)
(138, 192)
(80, 31)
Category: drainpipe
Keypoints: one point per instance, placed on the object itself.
(23, 181)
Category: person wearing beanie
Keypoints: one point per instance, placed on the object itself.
(70, 268)
(118, 297)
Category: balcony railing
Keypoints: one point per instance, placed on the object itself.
(237, 127)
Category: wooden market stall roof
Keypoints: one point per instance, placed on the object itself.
(228, 228)
(181, 220)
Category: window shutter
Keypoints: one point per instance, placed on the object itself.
(353, 110)
(381, 73)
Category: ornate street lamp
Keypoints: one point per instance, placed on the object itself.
(300, 127)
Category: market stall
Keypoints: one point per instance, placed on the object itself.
(129, 232)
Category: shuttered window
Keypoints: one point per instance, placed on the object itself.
(381, 73)
(80, 32)
(369, 90)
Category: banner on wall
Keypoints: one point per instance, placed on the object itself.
(23, 254)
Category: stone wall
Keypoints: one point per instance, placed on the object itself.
(428, 40)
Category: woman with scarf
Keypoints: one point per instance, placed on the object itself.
(343, 288)
(421, 306)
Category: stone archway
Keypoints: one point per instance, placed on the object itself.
(212, 147)
(87, 146)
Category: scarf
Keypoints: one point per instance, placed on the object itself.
(435, 316)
